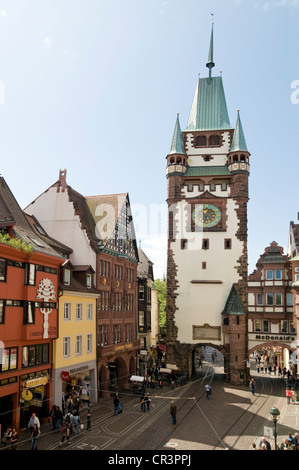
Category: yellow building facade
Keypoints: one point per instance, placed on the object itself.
(75, 350)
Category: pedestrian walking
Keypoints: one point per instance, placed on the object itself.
(208, 390)
(34, 437)
(142, 401)
(252, 386)
(173, 411)
(116, 403)
(288, 395)
(59, 417)
(53, 417)
(147, 401)
(76, 422)
(66, 430)
(33, 420)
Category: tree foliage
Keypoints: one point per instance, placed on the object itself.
(160, 285)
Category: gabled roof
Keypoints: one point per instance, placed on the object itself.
(233, 304)
(21, 227)
(144, 268)
(41, 233)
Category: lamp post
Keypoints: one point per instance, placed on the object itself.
(274, 413)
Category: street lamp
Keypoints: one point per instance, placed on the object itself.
(274, 413)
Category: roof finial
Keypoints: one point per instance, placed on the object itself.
(210, 64)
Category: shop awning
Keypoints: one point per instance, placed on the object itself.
(137, 378)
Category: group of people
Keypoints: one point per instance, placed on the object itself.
(290, 443)
(152, 378)
(10, 438)
(70, 426)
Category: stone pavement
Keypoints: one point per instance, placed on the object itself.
(232, 412)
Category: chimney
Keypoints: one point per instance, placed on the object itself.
(62, 181)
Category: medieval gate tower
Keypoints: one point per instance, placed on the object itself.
(207, 196)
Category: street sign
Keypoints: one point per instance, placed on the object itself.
(268, 431)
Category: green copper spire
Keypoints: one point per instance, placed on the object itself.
(210, 64)
(239, 142)
(177, 145)
(209, 110)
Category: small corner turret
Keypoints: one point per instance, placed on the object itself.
(238, 157)
(177, 158)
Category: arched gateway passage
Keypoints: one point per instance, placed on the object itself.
(214, 354)
(278, 354)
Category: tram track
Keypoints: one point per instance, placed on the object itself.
(249, 420)
(213, 427)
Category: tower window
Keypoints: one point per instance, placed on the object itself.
(201, 141)
(205, 244)
(227, 243)
(204, 265)
(214, 139)
(184, 244)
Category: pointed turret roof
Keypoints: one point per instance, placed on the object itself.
(233, 304)
(239, 142)
(177, 144)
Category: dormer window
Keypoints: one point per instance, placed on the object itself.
(66, 277)
(88, 281)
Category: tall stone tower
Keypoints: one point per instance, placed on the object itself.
(207, 196)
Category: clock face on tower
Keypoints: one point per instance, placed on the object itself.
(206, 215)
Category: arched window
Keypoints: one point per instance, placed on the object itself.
(201, 141)
(214, 139)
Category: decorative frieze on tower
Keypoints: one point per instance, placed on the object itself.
(207, 195)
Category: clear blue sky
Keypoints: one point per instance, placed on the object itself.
(94, 86)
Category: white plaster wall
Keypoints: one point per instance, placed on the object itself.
(217, 160)
(219, 192)
(224, 149)
(251, 300)
(201, 303)
(56, 214)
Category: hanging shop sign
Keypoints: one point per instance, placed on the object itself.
(32, 383)
(27, 395)
(65, 376)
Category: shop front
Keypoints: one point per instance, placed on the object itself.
(35, 395)
(76, 381)
(274, 349)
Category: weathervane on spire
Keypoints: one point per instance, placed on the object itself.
(210, 64)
